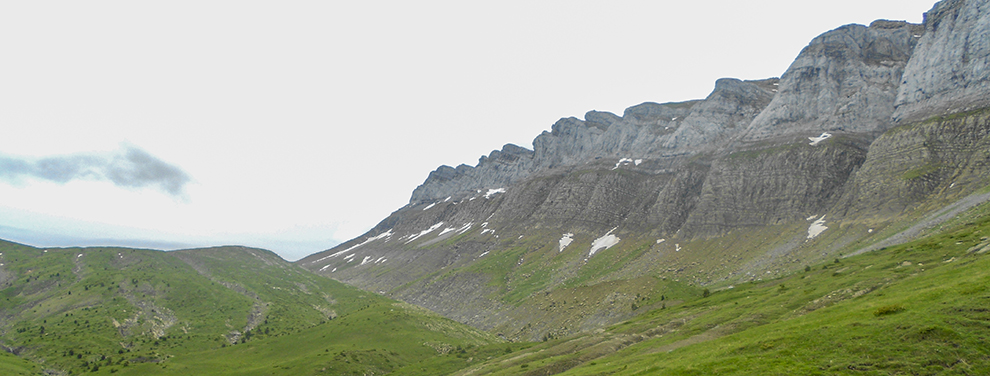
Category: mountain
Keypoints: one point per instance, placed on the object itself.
(869, 134)
(832, 220)
(224, 310)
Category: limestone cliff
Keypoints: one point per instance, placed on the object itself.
(648, 130)
(845, 80)
(869, 128)
(950, 72)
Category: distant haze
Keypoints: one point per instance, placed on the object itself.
(294, 126)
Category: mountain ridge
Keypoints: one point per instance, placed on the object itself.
(696, 193)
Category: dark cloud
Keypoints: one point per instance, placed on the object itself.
(128, 167)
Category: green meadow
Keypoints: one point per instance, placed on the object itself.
(919, 308)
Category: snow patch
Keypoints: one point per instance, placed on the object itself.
(811, 218)
(870, 231)
(661, 241)
(350, 256)
(565, 241)
(817, 228)
(463, 229)
(448, 198)
(424, 232)
(446, 230)
(492, 192)
(816, 140)
(366, 260)
(483, 254)
(79, 255)
(429, 206)
(621, 162)
(677, 247)
(383, 235)
(487, 230)
(326, 266)
(637, 162)
(604, 242)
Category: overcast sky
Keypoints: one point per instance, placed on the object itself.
(296, 125)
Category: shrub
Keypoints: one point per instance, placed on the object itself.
(888, 310)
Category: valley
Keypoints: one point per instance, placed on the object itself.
(833, 220)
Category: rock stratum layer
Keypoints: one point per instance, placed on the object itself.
(868, 130)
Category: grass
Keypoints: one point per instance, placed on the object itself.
(227, 310)
(12, 365)
(917, 308)
(920, 171)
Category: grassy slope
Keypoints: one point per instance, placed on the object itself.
(12, 365)
(918, 308)
(145, 312)
(380, 338)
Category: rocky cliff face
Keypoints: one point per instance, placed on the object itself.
(950, 72)
(648, 130)
(869, 128)
(846, 80)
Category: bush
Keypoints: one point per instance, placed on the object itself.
(888, 310)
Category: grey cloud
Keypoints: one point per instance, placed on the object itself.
(128, 167)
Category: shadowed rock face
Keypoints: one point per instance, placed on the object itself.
(741, 174)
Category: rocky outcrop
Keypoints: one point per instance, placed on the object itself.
(774, 186)
(498, 169)
(950, 71)
(945, 156)
(648, 130)
(845, 80)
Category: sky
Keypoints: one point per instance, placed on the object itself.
(296, 125)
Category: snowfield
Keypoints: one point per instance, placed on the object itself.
(565, 241)
(816, 140)
(492, 192)
(384, 235)
(424, 232)
(817, 228)
(604, 242)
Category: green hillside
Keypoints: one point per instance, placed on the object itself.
(919, 308)
(916, 308)
(226, 310)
